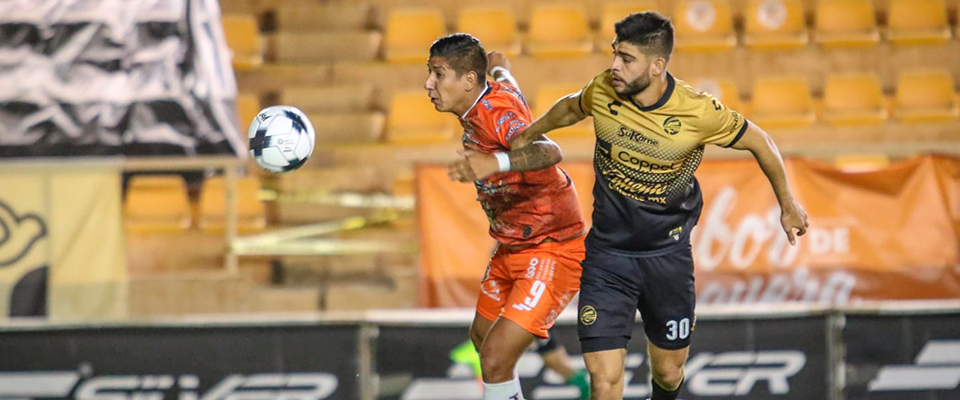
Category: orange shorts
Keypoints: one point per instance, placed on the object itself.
(531, 286)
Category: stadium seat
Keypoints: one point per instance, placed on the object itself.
(775, 25)
(612, 13)
(243, 38)
(336, 17)
(156, 204)
(843, 23)
(251, 214)
(323, 47)
(853, 99)
(724, 90)
(496, 27)
(917, 22)
(331, 99)
(926, 96)
(704, 25)
(348, 127)
(782, 102)
(410, 32)
(414, 120)
(547, 95)
(861, 162)
(558, 31)
(248, 105)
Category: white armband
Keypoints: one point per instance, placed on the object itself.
(504, 160)
(504, 73)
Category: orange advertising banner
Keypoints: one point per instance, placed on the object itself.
(887, 234)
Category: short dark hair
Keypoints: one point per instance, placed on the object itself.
(649, 30)
(463, 52)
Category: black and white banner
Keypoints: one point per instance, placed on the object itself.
(751, 359)
(108, 77)
(903, 357)
(190, 363)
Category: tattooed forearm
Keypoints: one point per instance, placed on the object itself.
(540, 154)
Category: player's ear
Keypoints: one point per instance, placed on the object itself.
(658, 66)
(470, 78)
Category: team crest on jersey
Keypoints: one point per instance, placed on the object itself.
(672, 125)
(588, 315)
(675, 233)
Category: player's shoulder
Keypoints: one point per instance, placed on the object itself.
(690, 96)
(500, 98)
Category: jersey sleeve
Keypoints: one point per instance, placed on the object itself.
(720, 125)
(586, 94)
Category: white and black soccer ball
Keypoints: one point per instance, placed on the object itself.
(281, 138)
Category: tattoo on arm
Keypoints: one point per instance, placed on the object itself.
(538, 155)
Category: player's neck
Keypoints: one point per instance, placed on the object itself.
(472, 98)
(652, 94)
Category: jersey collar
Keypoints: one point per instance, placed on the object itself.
(663, 99)
(486, 89)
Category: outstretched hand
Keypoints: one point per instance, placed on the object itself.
(792, 216)
(472, 167)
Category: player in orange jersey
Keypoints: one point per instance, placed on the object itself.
(531, 204)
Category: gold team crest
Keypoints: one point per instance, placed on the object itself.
(588, 315)
(675, 233)
(672, 125)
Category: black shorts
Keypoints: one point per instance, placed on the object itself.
(613, 288)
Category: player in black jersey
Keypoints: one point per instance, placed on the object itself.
(651, 131)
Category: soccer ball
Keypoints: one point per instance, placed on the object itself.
(281, 138)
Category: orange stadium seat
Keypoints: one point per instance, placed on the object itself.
(251, 214)
(853, 99)
(782, 102)
(414, 120)
(558, 31)
(547, 95)
(496, 27)
(336, 16)
(846, 23)
(243, 38)
(248, 105)
(861, 162)
(612, 13)
(323, 47)
(918, 22)
(156, 204)
(926, 96)
(704, 25)
(775, 24)
(410, 32)
(724, 90)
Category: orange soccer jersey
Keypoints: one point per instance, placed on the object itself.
(523, 207)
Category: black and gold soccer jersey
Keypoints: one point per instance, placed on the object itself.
(646, 199)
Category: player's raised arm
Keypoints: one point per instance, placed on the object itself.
(758, 142)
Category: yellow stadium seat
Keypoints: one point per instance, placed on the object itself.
(926, 96)
(323, 47)
(547, 95)
(243, 38)
(703, 25)
(918, 22)
(349, 127)
(853, 99)
(251, 214)
(558, 31)
(782, 102)
(248, 105)
(724, 90)
(846, 23)
(334, 16)
(330, 99)
(156, 204)
(775, 24)
(612, 13)
(861, 162)
(410, 32)
(414, 120)
(496, 27)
